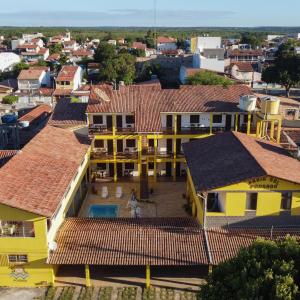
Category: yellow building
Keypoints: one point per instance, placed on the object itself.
(146, 125)
(237, 180)
(40, 186)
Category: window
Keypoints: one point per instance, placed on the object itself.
(99, 144)
(213, 202)
(101, 166)
(130, 143)
(18, 258)
(290, 112)
(151, 166)
(251, 203)
(129, 166)
(98, 119)
(129, 119)
(286, 200)
(195, 119)
(151, 142)
(217, 118)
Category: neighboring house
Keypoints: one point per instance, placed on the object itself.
(5, 91)
(198, 44)
(33, 52)
(70, 46)
(59, 39)
(244, 72)
(78, 55)
(8, 60)
(245, 55)
(33, 79)
(112, 42)
(215, 62)
(166, 44)
(28, 37)
(68, 80)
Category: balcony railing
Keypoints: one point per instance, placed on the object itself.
(103, 129)
(199, 130)
(131, 153)
(99, 129)
(16, 229)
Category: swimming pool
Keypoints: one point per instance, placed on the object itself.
(103, 211)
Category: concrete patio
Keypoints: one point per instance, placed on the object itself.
(166, 200)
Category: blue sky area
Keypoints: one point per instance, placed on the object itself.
(235, 13)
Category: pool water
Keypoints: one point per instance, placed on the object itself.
(103, 211)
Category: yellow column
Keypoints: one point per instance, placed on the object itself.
(87, 276)
(258, 129)
(175, 124)
(155, 164)
(210, 123)
(278, 132)
(236, 122)
(249, 124)
(148, 280)
(210, 269)
(139, 155)
(272, 130)
(115, 159)
(174, 159)
(114, 122)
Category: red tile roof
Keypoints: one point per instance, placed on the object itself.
(226, 243)
(139, 45)
(119, 241)
(30, 74)
(163, 40)
(238, 52)
(234, 157)
(243, 66)
(67, 73)
(82, 52)
(6, 155)
(148, 102)
(36, 113)
(62, 92)
(37, 178)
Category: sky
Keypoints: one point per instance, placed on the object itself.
(173, 13)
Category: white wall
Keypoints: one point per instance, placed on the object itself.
(208, 42)
(212, 64)
(77, 78)
(166, 46)
(8, 60)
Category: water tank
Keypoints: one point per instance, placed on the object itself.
(24, 124)
(9, 119)
(247, 103)
(270, 105)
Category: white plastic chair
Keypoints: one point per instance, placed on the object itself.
(119, 192)
(104, 192)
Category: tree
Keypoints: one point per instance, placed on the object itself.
(252, 39)
(104, 52)
(265, 270)
(208, 78)
(19, 67)
(9, 99)
(56, 48)
(286, 68)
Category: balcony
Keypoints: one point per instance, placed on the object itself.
(99, 129)
(199, 130)
(103, 154)
(16, 229)
(125, 130)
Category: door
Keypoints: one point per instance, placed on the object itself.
(178, 146)
(228, 123)
(178, 173)
(110, 147)
(119, 122)
(109, 122)
(111, 170)
(169, 121)
(178, 123)
(119, 170)
(168, 169)
(119, 146)
(169, 146)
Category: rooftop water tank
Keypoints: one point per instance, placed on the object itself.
(9, 119)
(24, 124)
(270, 105)
(247, 103)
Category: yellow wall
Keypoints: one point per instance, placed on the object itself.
(235, 204)
(268, 204)
(36, 270)
(296, 204)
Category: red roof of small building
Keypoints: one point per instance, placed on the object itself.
(139, 45)
(36, 113)
(164, 40)
(82, 52)
(31, 74)
(67, 73)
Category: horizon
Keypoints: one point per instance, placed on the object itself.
(133, 13)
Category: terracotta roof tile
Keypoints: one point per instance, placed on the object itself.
(226, 243)
(36, 179)
(233, 157)
(119, 241)
(37, 112)
(148, 102)
(67, 73)
(30, 74)
(6, 155)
